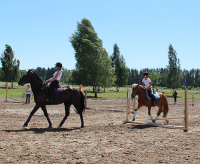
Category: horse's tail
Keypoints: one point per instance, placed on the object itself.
(165, 108)
(82, 101)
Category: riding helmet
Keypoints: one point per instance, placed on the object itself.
(146, 73)
(58, 64)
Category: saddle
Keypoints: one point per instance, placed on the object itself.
(57, 91)
(156, 95)
(53, 92)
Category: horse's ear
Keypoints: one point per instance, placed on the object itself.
(30, 71)
(139, 84)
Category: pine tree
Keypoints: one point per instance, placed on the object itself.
(174, 72)
(121, 71)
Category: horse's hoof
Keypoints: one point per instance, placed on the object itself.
(59, 126)
(25, 124)
(167, 121)
(133, 119)
(153, 120)
(82, 126)
(50, 126)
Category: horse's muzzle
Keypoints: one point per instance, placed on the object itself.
(133, 95)
(20, 83)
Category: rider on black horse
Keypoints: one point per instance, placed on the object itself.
(147, 82)
(54, 80)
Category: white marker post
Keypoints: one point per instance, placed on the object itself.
(128, 105)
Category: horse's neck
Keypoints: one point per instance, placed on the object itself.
(141, 90)
(36, 85)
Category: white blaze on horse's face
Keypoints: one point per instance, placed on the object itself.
(134, 90)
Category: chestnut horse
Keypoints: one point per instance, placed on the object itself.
(162, 102)
(67, 96)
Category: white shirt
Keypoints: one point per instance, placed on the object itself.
(146, 82)
(28, 91)
(59, 77)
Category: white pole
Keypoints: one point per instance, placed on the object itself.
(128, 105)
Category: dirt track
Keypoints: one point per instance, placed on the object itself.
(104, 139)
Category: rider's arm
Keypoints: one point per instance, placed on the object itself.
(52, 79)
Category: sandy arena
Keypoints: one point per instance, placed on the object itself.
(104, 139)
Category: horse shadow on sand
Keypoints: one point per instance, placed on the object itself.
(43, 130)
(141, 127)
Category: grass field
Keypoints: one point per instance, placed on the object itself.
(20, 91)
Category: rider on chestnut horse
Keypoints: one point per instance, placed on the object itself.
(143, 99)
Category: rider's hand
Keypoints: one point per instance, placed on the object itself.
(47, 81)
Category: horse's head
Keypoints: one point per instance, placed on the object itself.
(27, 78)
(135, 89)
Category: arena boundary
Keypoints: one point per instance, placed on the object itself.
(141, 121)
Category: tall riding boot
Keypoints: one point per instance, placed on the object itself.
(49, 94)
(155, 102)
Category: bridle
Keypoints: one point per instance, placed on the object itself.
(136, 92)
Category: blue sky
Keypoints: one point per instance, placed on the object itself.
(39, 30)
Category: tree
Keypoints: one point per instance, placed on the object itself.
(121, 71)
(50, 72)
(197, 78)
(1, 74)
(65, 75)
(90, 55)
(108, 79)
(155, 78)
(174, 72)
(10, 66)
(41, 72)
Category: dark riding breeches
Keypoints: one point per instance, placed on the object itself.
(150, 93)
(54, 84)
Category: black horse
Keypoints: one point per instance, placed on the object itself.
(67, 96)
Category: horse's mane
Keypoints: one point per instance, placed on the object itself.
(135, 85)
(37, 76)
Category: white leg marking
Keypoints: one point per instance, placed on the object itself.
(151, 117)
(156, 118)
(134, 114)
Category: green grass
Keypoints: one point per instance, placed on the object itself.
(20, 91)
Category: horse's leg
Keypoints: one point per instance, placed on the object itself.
(78, 107)
(158, 114)
(67, 112)
(134, 114)
(31, 114)
(149, 113)
(46, 115)
(82, 121)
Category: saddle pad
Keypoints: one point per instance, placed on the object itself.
(155, 94)
(58, 91)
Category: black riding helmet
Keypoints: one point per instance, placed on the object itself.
(58, 64)
(146, 73)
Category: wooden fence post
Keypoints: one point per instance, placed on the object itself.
(128, 105)
(186, 111)
(6, 92)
